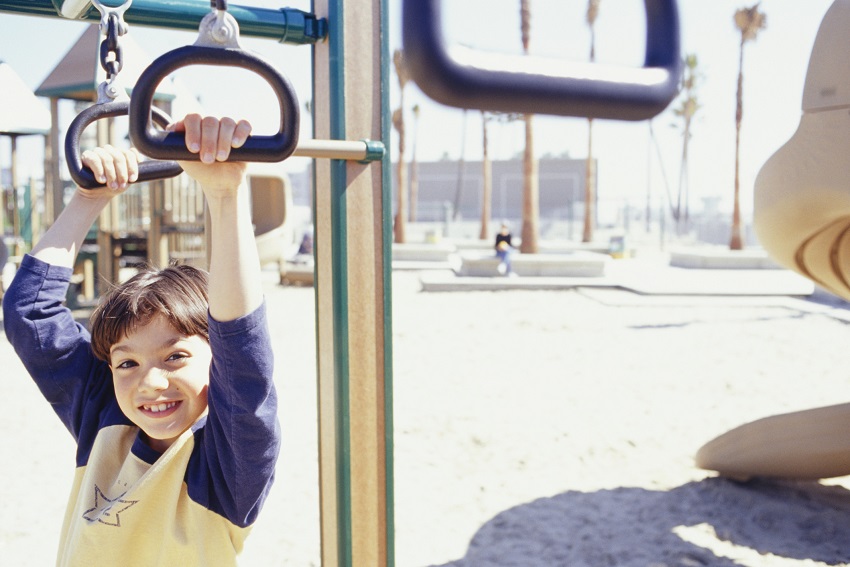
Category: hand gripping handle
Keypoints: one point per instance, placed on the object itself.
(172, 145)
(82, 175)
(473, 79)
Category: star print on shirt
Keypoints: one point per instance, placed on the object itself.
(107, 511)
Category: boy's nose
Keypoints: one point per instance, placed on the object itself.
(154, 379)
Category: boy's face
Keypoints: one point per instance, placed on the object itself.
(161, 379)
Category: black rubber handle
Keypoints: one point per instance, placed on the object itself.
(172, 145)
(483, 82)
(82, 175)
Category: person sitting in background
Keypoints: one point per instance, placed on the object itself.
(504, 246)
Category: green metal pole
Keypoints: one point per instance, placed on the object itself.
(286, 25)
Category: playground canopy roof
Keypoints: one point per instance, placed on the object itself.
(78, 74)
(21, 113)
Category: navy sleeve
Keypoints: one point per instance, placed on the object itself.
(241, 438)
(53, 347)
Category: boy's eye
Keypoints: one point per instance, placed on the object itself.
(127, 364)
(178, 356)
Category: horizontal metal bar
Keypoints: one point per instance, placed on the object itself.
(286, 25)
(357, 150)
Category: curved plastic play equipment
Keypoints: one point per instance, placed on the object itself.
(465, 78)
(805, 445)
(802, 193)
(802, 218)
(271, 212)
(82, 175)
(217, 45)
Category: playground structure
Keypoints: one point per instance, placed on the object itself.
(22, 115)
(802, 217)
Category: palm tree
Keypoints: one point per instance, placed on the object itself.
(686, 110)
(589, 170)
(748, 21)
(531, 181)
(414, 166)
(398, 122)
(487, 197)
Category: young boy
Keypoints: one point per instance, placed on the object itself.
(171, 399)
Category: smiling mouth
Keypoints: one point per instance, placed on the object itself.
(159, 408)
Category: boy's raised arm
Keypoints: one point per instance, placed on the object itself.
(235, 288)
(61, 243)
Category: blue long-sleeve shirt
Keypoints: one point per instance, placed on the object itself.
(130, 505)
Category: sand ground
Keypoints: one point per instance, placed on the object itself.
(532, 428)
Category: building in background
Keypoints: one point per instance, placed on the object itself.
(447, 185)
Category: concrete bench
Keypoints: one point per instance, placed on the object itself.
(721, 258)
(298, 274)
(422, 252)
(576, 264)
(545, 247)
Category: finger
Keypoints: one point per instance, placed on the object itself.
(92, 161)
(191, 125)
(107, 163)
(175, 127)
(226, 128)
(119, 162)
(243, 130)
(134, 158)
(209, 139)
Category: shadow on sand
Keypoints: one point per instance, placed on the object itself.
(639, 527)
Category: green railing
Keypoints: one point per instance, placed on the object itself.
(285, 25)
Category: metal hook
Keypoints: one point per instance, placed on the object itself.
(111, 90)
(218, 29)
(106, 11)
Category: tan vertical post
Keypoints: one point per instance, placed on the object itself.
(105, 257)
(35, 218)
(158, 253)
(55, 202)
(353, 290)
(16, 212)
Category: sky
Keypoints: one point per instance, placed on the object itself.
(628, 165)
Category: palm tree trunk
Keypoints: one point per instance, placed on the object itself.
(682, 204)
(461, 163)
(736, 240)
(530, 181)
(530, 193)
(589, 183)
(487, 196)
(414, 168)
(401, 216)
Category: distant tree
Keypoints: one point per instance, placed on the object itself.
(589, 169)
(487, 172)
(530, 179)
(685, 110)
(461, 171)
(414, 166)
(398, 122)
(749, 22)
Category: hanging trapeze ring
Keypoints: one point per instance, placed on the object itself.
(172, 145)
(82, 175)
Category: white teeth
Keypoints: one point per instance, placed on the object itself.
(159, 407)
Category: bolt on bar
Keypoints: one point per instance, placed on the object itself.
(286, 25)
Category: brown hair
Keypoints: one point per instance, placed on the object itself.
(177, 292)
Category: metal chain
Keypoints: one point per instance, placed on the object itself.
(111, 54)
(112, 26)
